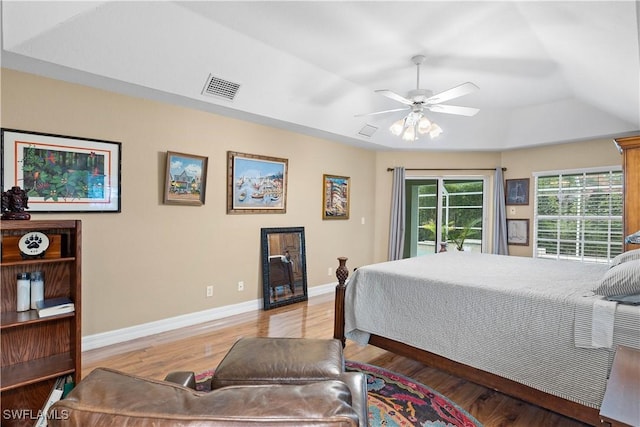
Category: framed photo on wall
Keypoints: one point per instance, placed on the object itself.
(62, 173)
(517, 191)
(185, 179)
(335, 197)
(518, 232)
(256, 184)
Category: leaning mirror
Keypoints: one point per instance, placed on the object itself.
(284, 266)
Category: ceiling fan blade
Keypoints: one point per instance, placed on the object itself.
(454, 92)
(394, 96)
(382, 112)
(453, 109)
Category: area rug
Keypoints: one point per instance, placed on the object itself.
(396, 400)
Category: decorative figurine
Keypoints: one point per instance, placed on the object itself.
(14, 202)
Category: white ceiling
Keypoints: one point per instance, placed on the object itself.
(548, 72)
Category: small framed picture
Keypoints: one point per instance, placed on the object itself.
(185, 179)
(518, 232)
(517, 192)
(62, 173)
(256, 184)
(335, 197)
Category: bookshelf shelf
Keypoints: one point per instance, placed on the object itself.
(16, 319)
(32, 371)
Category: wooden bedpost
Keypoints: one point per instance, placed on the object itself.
(342, 272)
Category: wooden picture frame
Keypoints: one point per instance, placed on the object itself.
(517, 191)
(185, 179)
(518, 232)
(335, 197)
(62, 173)
(256, 184)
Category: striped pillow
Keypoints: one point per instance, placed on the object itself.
(623, 279)
(625, 256)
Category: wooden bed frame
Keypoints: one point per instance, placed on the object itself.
(506, 386)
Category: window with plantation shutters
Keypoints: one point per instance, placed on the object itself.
(578, 214)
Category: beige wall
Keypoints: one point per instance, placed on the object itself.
(153, 261)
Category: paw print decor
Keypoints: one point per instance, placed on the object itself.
(34, 241)
(33, 244)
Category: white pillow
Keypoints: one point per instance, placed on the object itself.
(625, 256)
(623, 279)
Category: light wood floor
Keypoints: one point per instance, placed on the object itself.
(201, 347)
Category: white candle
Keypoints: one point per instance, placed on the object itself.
(37, 288)
(24, 288)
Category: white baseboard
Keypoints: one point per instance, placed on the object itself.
(103, 339)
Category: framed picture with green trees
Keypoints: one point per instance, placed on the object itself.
(62, 173)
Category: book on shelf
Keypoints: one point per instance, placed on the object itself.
(53, 306)
(54, 396)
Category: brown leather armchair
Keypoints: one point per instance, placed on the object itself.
(111, 398)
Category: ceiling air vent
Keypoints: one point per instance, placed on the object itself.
(368, 130)
(219, 87)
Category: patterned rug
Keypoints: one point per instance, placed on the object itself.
(396, 400)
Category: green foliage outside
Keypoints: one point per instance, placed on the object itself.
(462, 211)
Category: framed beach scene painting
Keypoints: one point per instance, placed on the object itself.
(256, 184)
(185, 179)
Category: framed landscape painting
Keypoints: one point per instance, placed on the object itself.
(185, 179)
(62, 173)
(256, 184)
(335, 197)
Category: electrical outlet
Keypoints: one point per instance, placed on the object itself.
(330, 271)
(240, 286)
(209, 291)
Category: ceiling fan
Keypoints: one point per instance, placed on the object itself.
(419, 100)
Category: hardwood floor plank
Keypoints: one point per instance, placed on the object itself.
(201, 347)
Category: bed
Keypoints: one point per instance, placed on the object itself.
(528, 327)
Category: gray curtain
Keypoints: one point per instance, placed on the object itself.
(500, 245)
(397, 223)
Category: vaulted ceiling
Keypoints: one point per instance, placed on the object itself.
(548, 72)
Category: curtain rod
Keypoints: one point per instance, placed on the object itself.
(448, 169)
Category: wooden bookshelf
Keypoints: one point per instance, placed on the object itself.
(36, 351)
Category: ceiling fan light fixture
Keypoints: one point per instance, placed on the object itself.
(423, 125)
(434, 130)
(409, 133)
(413, 125)
(397, 127)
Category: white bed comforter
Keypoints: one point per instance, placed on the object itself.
(511, 316)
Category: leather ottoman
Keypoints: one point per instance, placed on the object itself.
(279, 360)
(253, 361)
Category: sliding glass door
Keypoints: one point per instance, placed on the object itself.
(444, 213)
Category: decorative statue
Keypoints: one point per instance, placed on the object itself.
(14, 202)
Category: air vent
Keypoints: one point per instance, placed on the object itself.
(368, 130)
(221, 88)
